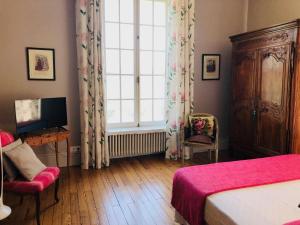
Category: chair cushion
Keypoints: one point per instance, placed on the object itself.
(200, 139)
(38, 184)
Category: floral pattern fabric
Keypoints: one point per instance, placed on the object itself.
(203, 125)
(180, 72)
(94, 151)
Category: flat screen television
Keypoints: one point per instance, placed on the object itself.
(40, 114)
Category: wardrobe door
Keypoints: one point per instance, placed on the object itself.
(273, 94)
(242, 108)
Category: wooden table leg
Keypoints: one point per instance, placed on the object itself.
(56, 153)
(68, 152)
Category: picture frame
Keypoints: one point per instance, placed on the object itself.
(211, 66)
(40, 63)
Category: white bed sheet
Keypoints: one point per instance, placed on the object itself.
(273, 204)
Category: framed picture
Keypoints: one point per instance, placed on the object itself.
(211, 66)
(40, 63)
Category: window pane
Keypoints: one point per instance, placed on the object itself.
(127, 87)
(159, 38)
(127, 36)
(159, 63)
(146, 86)
(112, 87)
(159, 87)
(146, 11)
(111, 35)
(146, 110)
(159, 13)
(146, 37)
(146, 62)
(112, 61)
(112, 10)
(159, 110)
(127, 111)
(127, 64)
(126, 11)
(113, 111)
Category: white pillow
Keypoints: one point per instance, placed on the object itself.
(26, 161)
(9, 168)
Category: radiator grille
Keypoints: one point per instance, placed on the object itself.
(128, 145)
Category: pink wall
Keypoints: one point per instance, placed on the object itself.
(45, 24)
(216, 20)
(51, 24)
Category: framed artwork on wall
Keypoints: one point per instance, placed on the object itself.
(211, 64)
(40, 63)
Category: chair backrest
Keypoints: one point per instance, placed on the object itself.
(216, 124)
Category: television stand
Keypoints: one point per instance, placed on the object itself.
(53, 135)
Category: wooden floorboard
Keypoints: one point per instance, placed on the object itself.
(133, 191)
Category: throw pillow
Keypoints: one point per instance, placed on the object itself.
(26, 161)
(202, 125)
(9, 168)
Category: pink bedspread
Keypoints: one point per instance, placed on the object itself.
(191, 185)
(297, 222)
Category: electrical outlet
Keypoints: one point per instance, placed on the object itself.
(75, 148)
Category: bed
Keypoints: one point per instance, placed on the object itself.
(268, 194)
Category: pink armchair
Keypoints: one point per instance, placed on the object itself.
(42, 181)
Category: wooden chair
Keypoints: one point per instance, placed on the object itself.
(201, 147)
(41, 182)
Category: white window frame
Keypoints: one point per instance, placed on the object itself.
(136, 45)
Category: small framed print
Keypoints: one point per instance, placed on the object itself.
(211, 66)
(40, 63)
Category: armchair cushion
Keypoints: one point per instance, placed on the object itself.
(204, 139)
(38, 184)
(202, 125)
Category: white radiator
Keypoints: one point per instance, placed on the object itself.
(135, 144)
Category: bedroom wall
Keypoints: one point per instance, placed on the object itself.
(51, 24)
(48, 24)
(215, 21)
(264, 13)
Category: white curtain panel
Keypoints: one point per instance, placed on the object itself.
(94, 151)
(180, 72)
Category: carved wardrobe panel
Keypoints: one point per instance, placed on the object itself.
(264, 87)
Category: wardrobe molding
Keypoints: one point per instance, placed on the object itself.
(265, 103)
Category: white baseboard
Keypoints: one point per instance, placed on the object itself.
(49, 159)
(47, 156)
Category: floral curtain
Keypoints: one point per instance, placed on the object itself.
(94, 151)
(180, 72)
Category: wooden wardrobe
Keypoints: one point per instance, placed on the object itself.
(265, 104)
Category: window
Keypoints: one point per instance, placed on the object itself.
(135, 61)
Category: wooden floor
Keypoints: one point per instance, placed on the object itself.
(130, 191)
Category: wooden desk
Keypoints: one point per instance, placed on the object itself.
(49, 136)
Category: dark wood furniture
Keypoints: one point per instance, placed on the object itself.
(54, 135)
(265, 107)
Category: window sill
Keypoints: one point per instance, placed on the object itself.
(135, 130)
